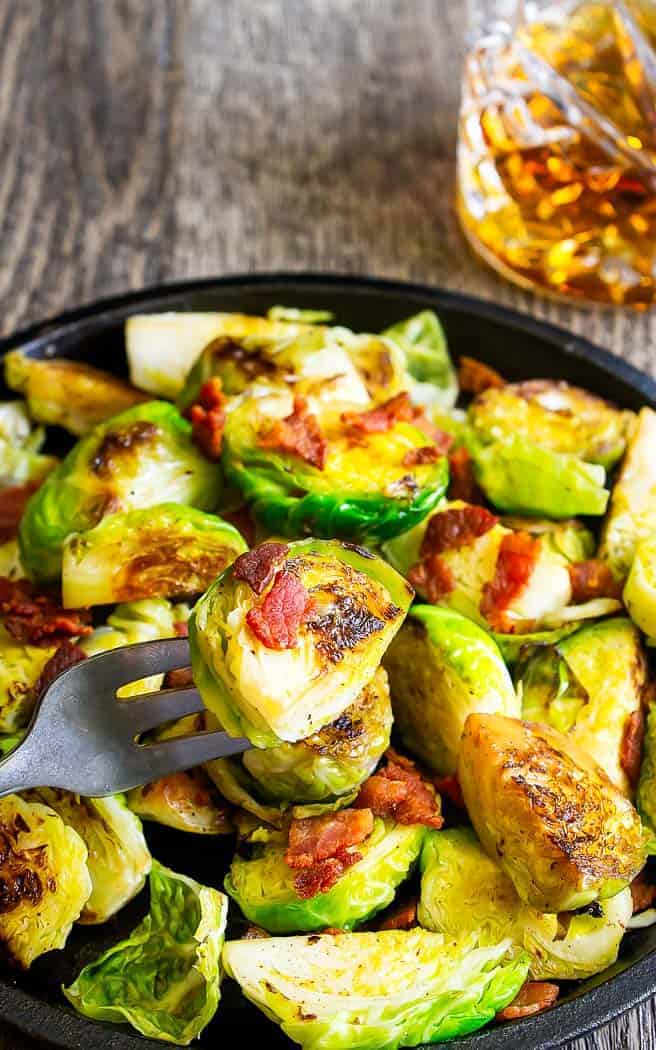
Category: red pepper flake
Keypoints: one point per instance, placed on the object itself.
(592, 579)
(419, 457)
(382, 418)
(66, 656)
(38, 619)
(449, 787)
(207, 417)
(257, 567)
(518, 553)
(275, 622)
(298, 434)
(456, 527)
(462, 483)
(432, 578)
(631, 746)
(399, 791)
(533, 997)
(474, 376)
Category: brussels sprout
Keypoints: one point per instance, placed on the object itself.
(563, 833)
(164, 979)
(570, 538)
(376, 991)
(16, 425)
(70, 394)
(130, 461)
(442, 667)
(463, 892)
(363, 492)
(554, 415)
(44, 876)
(161, 551)
(263, 886)
(433, 380)
(640, 589)
(118, 857)
(520, 477)
(632, 513)
(20, 667)
(10, 563)
(288, 688)
(10, 741)
(513, 646)
(577, 690)
(238, 787)
(646, 791)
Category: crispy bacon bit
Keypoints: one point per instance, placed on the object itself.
(277, 619)
(631, 747)
(319, 848)
(244, 522)
(432, 578)
(207, 417)
(37, 619)
(181, 678)
(592, 579)
(67, 655)
(399, 791)
(533, 997)
(518, 553)
(419, 457)
(474, 376)
(181, 628)
(454, 528)
(298, 434)
(449, 787)
(257, 567)
(13, 501)
(643, 893)
(439, 438)
(382, 418)
(462, 483)
(324, 874)
(402, 918)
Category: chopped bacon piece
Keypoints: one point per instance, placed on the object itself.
(399, 791)
(404, 917)
(518, 553)
(419, 457)
(456, 527)
(439, 438)
(313, 839)
(433, 578)
(592, 579)
(298, 434)
(533, 997)
(67, 655)
(277, 619)
(631, 746)
(324, 874)
(244, 522)
(207, 417)
(382, 418)
(37, 619)
(474, 376)
(13, 501)
(181, 678)
(449, 787)
(462, 483)
(257, 567)
(643, 893)
(181, 628)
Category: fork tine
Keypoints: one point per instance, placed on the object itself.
(131, 662)
(151, 709)
(169, 756)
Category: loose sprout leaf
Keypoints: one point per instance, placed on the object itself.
(164, 979)
(632, 513)
(423, 342)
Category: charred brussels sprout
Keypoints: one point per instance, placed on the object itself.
(432, 377)
(263, 885)
(376, 991)
(164, 979)
(128, 462)
(463, 892)
(640, 588)
(20, 667)
(288, 636)
(632, 513)
(562, 832)
(646, 792)
(45, 878)
(159, 552)
(554, 415)
(368, 487)
(575, 688)
(442, 667)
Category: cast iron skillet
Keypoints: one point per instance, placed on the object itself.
(521, 348)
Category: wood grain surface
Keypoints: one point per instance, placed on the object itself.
(149, 140)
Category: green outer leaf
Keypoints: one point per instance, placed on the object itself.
(264, 886)
(512, 644)
(423, 342)
(646, 792)
(164, 979)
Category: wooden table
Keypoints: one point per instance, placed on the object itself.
(146, 140)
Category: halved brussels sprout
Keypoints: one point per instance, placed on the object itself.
(632, 513)
(376, 991)
(571, 538)
(20, 667)
(118, 858)
(640, 589)
(574, 687)
(463, 891)
(646, 791)
(520, 477)
(368, 489)
(442, 666)
(159, 552)
(263, 884)
(280, 657)
(130, 461)
(70, 394)
(432, 377)
(237, 786)
(45, 879)
(513, 646)
(554, 415)
(563, 833)
(164, 979)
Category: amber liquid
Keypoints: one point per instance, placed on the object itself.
(557, 153)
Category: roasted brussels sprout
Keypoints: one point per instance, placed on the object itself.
(640, 588)
(432, 377)
(463, 891)
(70, 394)
(164, 979)
(44, 876)
(10, 563)
(376, 991)
(263, 885)
(158, 552)
(442, 667)
(289, 635)
(520, 477)
(20, 667)
(632, 513)
(554, 415)
(118, 858)
(16, 424)
(571, 538)
(646, 791)
(563, 833)
(309, 475)
(574, 687)
(513, 646)
(130, 461)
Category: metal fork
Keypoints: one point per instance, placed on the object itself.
(83, 738)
